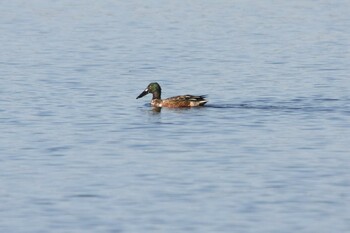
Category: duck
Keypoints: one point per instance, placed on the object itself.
(179, 101)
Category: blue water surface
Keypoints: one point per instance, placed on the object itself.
(269, 153)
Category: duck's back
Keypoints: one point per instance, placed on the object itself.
(184, 101)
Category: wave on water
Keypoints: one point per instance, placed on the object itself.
(298, 104)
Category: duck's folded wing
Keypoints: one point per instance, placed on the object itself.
(188, 98)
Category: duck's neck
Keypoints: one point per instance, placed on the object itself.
(156, 95)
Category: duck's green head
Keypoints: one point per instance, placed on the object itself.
(153, 88)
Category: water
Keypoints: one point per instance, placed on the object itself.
(269, 153)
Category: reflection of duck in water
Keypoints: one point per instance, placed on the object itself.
(172, 102)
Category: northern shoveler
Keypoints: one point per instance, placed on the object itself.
(172, 102)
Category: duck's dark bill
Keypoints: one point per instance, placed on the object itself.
(145, 92)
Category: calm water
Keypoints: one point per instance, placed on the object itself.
(270, 152)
